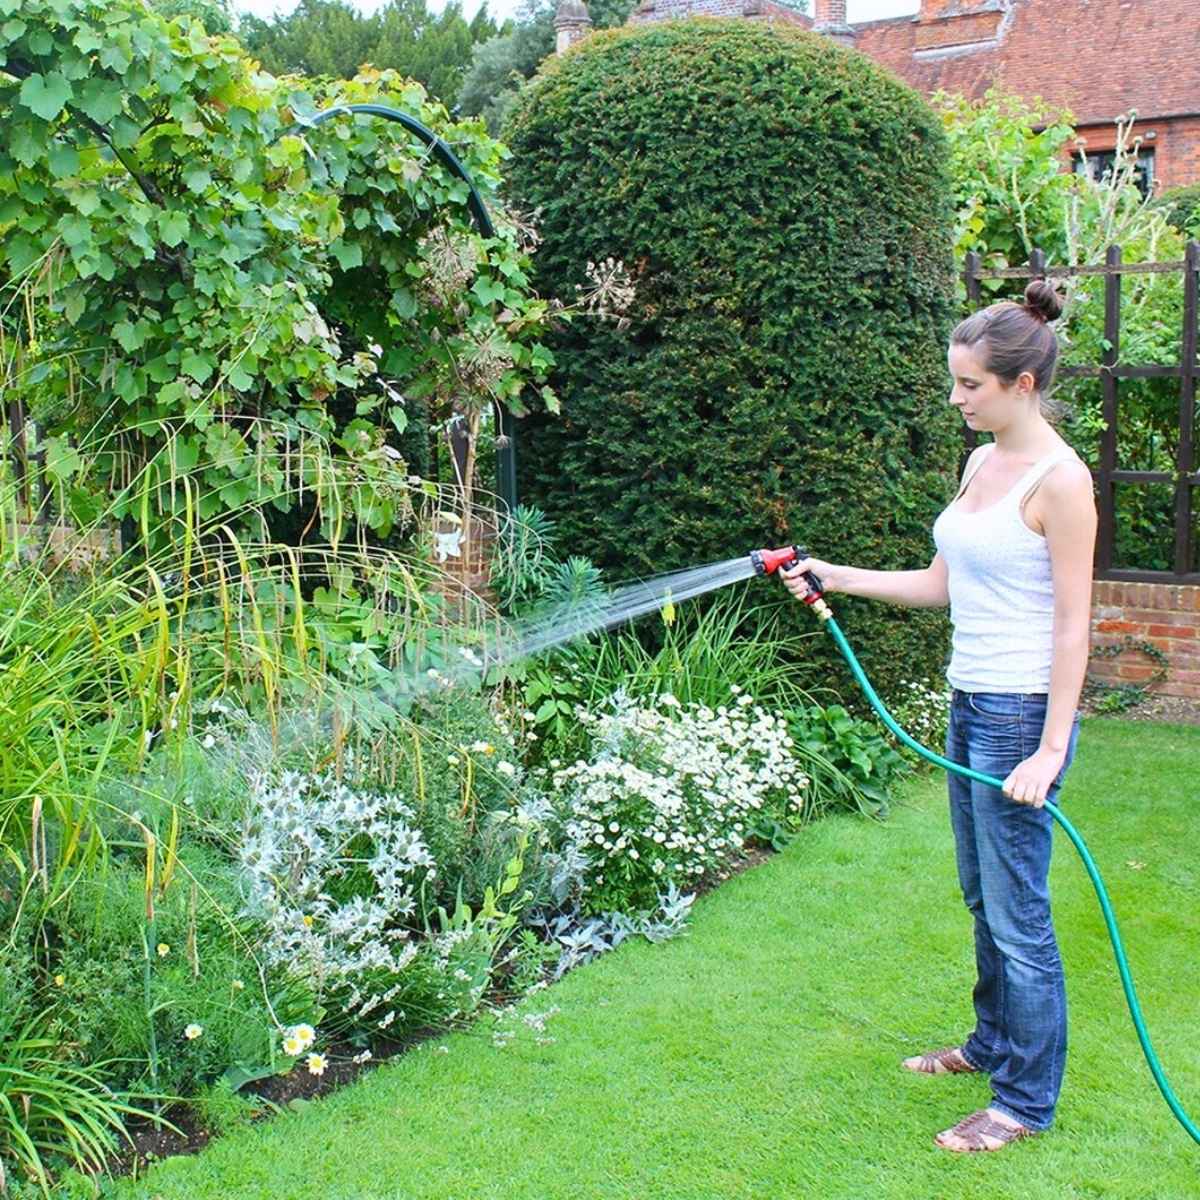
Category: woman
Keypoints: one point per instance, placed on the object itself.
(1014, 562)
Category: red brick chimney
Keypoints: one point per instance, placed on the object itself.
(946, 24)
(829, 18)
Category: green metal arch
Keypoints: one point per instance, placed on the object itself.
(506, 453)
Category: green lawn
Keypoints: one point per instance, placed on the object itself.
(758, 1057)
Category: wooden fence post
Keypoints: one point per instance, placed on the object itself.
(16, 446)
(971, 278)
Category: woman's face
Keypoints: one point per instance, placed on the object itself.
(985, 401)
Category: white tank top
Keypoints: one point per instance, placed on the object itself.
(1001, 590)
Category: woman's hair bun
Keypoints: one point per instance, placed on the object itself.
(1043, 301)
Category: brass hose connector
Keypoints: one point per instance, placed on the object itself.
(823, 611)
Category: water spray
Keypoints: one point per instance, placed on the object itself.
(767, 562)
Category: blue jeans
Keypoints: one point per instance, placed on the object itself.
(1003, 852)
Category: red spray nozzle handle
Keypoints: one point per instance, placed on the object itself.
(767, 562)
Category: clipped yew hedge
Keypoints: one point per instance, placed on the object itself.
(784, 206)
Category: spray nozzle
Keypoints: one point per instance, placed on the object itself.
(767, 562)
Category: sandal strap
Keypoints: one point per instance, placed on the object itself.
(950, 1059)
(977, 1129)
(989, 1127)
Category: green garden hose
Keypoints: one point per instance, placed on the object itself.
(1135, 1010)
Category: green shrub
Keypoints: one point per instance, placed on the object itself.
(1011, 194)
(1182, 207)
(782, 208)
(850, 759)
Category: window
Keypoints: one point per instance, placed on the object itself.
(1099, 166)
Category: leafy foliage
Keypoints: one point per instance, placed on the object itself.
(197, 270)
(1010, 191)
(1012, 197)
(331, 37)
(130, 1002)
(1182, 208)
(214, 15)
(851, 756)
(501, 65)
(782, 205)
(50, 1107)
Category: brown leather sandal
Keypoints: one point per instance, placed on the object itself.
(981, 1131)
(948, 1061)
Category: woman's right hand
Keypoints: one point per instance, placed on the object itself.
(794, 580)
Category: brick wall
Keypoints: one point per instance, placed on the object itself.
(1165, 615)
(1182, 157)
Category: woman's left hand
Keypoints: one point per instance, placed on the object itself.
(1029, 781)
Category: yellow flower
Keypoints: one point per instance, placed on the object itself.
(163, 949)
(316, 1064)
(308, 921)
(59, 980)
(668, 611)
(238, 985)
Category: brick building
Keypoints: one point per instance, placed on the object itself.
(1098, 58)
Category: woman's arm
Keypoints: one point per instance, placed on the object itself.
(913, 589)
(1070, 527)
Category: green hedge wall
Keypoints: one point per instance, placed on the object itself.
(784, 205)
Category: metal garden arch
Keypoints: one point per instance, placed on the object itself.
(506, 454)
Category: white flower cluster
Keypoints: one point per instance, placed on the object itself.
(670, 788)
(923, 710)
(332, 873)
